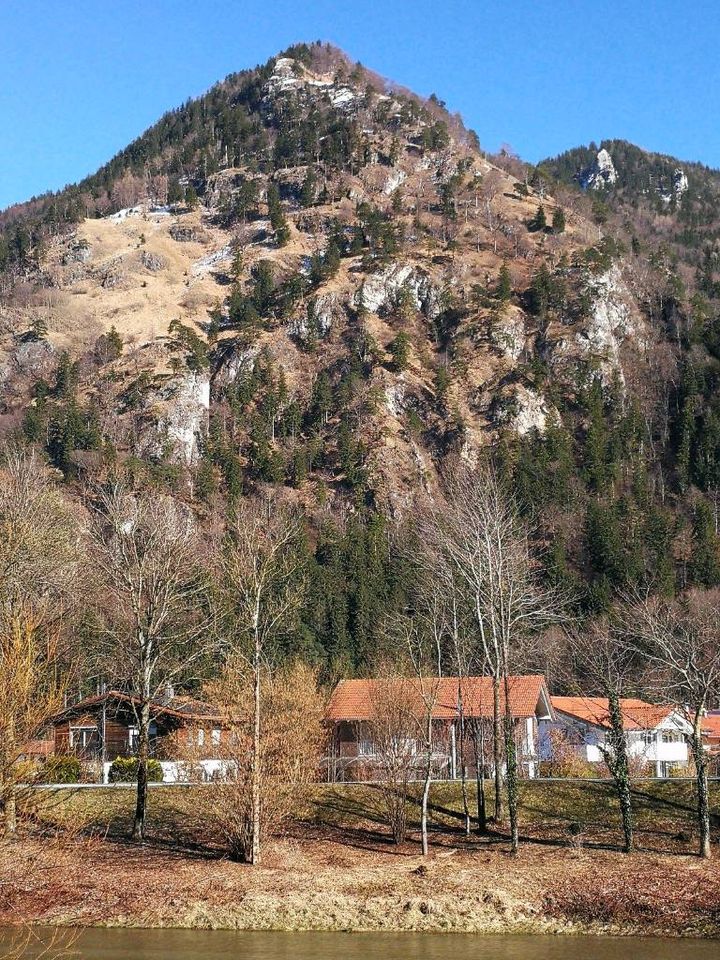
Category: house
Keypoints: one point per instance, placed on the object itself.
(185, 734)
(711, 734)
(656, 735)
(369, 719)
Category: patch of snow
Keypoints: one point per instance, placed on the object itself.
(342, 96)
(205, 264)
(125, 213)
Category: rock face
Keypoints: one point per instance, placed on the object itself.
(613, 320)
(317, 322)
(187, 416)
(600, 174)
(680, 183)
(380, 290)
(508, 334)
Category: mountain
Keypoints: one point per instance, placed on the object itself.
(312, 278)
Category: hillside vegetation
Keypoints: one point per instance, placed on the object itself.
(313, 280)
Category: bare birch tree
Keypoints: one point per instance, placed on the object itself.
(680, 640)
(264, 582)
(484, 539)
(150, 595)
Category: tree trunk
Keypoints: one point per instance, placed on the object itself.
(701, 775)
(497, 750)
(138, 832)
(426, 785)
(9, 793)
(254, 857)
(463, 774)
(10, 810)
(617, 760)
(511, 777)
(479, 741)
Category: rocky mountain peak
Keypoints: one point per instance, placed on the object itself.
(601, 173)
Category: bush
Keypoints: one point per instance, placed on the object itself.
(60, 769)
(125, 770)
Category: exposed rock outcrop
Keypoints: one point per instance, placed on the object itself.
(600, 174)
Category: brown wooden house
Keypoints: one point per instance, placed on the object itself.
(101, 728)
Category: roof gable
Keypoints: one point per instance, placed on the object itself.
(637, 714)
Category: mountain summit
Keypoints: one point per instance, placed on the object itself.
(311, 277)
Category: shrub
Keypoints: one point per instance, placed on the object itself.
(125, 770)
(60, 769)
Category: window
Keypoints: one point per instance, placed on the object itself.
(83, 738)
(366, 748)
(195, 737)
(671, 736)
(648, 737)
(216, 734)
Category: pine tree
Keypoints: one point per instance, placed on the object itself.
(277, 217)
(503, 289)
(558, 220)
(400, 351)
(539, 221)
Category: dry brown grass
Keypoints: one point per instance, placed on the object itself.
(336, 869)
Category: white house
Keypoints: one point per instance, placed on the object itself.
(655, 734)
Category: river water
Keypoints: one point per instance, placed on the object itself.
(129, 944)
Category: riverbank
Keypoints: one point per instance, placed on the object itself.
(336, 869)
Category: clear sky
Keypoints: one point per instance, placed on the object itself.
(79, 79)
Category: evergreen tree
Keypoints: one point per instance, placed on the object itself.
(558, 220)
(400, 351)
(539, 221)
(503, 288)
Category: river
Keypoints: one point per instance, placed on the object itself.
(134, 944)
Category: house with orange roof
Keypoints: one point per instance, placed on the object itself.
(711, 733)
(656, 734)
(368, 718)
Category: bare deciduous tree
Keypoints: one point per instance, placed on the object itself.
(264, 582)
(39, 559)
(393, 729)
(606, 663)
(681, 642)
(152, 619)
(291, 745)
(481, 534)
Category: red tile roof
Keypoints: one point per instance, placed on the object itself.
(711, 732)
(637, 714)
(357, 699)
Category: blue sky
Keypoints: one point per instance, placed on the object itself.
(80, 79)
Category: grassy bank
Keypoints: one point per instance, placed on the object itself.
(336, 869)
